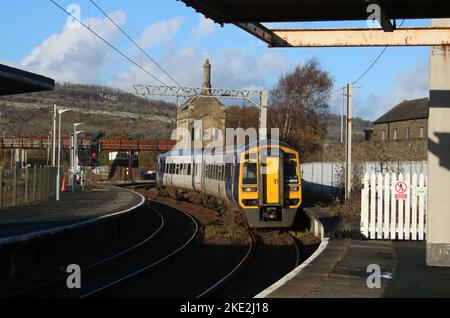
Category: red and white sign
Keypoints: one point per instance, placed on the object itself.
(400, 190)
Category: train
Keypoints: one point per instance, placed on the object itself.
(260, 180)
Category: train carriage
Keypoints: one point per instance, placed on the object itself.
(262, 180)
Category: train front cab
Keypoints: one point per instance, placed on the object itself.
(270, 189)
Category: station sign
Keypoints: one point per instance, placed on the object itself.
(401, 190)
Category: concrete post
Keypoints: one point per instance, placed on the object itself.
(263, 115)
(438, 219)
(348, 167)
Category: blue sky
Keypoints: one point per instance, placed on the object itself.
(179, 39)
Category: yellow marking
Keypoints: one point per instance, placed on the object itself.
(272, 180)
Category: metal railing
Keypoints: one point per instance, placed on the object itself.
(23, 185)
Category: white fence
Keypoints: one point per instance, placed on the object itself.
(321, 179)
(394, 207)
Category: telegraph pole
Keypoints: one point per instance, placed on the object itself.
(348, 168)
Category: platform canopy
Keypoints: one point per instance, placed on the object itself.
(15, 81)
(246, 11)
(250, 14)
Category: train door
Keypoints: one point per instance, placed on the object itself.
(197, 175)
(272, 180)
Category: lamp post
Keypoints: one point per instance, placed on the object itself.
(54, 136)
(58, 176)
(74, 156)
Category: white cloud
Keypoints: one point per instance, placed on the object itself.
(410, 84)
(205, 27)
(232, 67)
(160, 32)
(75, 54)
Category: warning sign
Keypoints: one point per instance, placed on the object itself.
(400, 190)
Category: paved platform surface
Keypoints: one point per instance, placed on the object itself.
(340, 270)
(413, 278)
(73, 208)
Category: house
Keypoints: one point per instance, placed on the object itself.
(207, 109)
(408, 121)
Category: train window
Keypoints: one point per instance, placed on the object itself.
(290, 171)
(215, 172)
(172, 168)
(189, 169)
(177, 169)
(250, 173)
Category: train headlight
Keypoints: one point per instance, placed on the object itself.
(294, 189)
(250, 189)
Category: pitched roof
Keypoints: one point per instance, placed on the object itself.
(406, 110)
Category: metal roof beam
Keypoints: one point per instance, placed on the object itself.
(263, 33)
(432, 36)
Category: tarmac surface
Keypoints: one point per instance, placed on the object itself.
(47, 214)
(344, 269)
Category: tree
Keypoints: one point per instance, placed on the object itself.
(242, 117)
(298, 105)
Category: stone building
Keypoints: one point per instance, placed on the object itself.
(403, 131)
(408, 121)
(209, 110)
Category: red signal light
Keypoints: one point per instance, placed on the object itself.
(94, 155)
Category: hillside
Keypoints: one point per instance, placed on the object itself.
(101, 108)
(334, 127)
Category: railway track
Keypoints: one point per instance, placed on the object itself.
(268, 264)
(173, 262)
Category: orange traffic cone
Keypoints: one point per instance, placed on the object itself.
(63, 187)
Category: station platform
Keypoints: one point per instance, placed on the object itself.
(47, 216)
(339, 269)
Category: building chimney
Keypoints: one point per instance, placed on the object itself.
(206, 78)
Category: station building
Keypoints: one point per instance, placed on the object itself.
(207, 109)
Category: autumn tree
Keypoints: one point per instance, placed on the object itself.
(242, 117)
(298, 106)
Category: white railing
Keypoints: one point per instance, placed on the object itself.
(393, 206)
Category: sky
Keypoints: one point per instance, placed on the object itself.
(38, 37)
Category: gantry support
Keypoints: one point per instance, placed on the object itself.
(432, 36)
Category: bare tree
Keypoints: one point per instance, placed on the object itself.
(299, 105)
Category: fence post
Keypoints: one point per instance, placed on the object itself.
(373, 207)
(414, 213)
(26, 185)
(14, 199)
(379, 190)
(387, 207)
(365, 206)
(34, 183)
